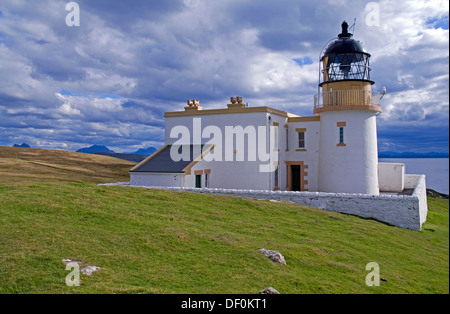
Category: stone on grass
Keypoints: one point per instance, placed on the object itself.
(87, 270)
(269, 290)
(274, 256)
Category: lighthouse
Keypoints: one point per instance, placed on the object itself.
(347, 106)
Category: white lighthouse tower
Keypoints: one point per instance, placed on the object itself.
(348, 153)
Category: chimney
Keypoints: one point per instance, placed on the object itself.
(236, 102)
(193, 105)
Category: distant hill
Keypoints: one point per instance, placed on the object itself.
(136, 156)
(129, 157)
(412, 155)
(145, 151)
(23, 145)
(95, 149)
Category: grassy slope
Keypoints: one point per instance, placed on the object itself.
(174, 242)
(27, 164)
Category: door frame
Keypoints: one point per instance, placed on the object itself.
(303, 174)
(198, 181)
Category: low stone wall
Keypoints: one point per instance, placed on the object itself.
(391, 177)
(404, 211)
(418, 183)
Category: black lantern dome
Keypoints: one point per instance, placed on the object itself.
(345, 59)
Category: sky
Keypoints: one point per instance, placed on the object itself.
(109, 80)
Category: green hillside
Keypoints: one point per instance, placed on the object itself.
(39, 165)
(149, 241)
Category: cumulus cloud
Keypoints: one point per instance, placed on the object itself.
(110, 80)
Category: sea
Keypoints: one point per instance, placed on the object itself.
(435, 170)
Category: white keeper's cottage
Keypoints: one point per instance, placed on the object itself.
(334, 150)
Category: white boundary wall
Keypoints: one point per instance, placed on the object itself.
(160, 179)
(391, 177)
(404, 211)
(418, 183)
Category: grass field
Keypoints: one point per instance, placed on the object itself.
(150, 241)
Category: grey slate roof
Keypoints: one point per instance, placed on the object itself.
(162, 162)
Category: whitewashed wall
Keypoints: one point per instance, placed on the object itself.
(219, 120)
(310, 157)
(391, 177)
(418, 183)
(353, 168)
(232, 174)
(159, 179)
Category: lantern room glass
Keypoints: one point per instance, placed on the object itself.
(346, 66)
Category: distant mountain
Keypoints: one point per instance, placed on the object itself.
(95, 149)
(136, 156)
(24, 145)
(412, 155)
(145, 151)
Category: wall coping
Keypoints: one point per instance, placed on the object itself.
(279, 193)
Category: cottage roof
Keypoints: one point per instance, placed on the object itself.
(161, 161)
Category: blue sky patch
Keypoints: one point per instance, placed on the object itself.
(439, 23)
(303, 61)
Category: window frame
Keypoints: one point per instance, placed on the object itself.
(276, 178)
(301, 141)
(287, 139)
(341, 135)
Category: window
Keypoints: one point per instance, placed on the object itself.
(275, 134)
(276, 177)
(341, 126)
(301, 139)
(287, 139)
(206, 180)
